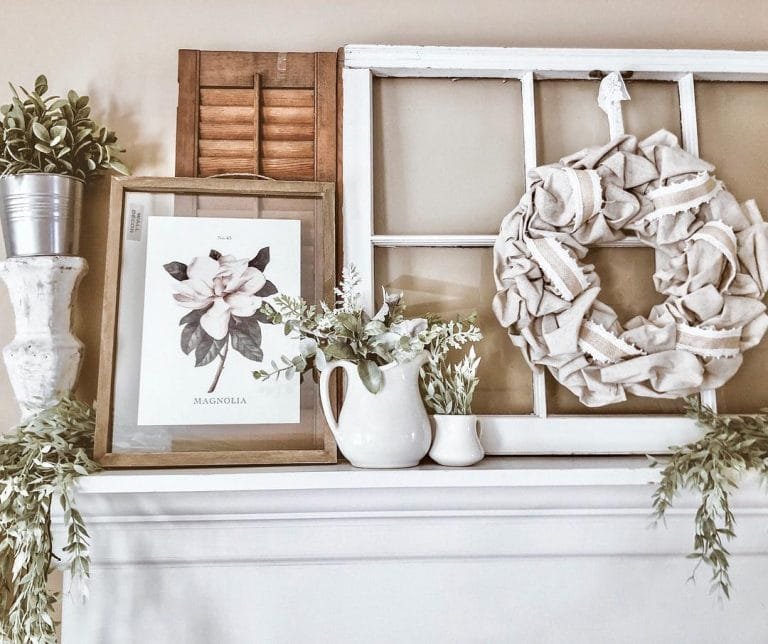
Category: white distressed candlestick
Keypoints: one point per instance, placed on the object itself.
(43, 359)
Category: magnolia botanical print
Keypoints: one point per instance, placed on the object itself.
(225, 295)
(204, 332)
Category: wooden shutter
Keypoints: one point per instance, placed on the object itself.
(272, 114)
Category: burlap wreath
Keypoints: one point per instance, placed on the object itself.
(711, 263)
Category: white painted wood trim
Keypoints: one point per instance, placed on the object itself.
(358, 177)
(512, 62)
(472, 241)
(690, 129)
(537, 433)
(530, 156)
(529, 124)
(688, 122)
(227, 555)
(587, 434)
(491, 472)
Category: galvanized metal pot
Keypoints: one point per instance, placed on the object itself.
(40, 214)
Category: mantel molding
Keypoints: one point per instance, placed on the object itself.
(587, 506)
(222, 549)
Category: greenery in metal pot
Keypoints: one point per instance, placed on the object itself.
(447, 387)
(40, 133)
(711, 467)
(39, 463)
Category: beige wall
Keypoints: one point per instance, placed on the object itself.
(124, 55)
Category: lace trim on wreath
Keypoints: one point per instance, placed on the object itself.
(685, 195)
(709, 343)
(559, 266)
(604, 346)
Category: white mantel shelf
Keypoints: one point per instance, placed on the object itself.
(491, 472)
(551, 549)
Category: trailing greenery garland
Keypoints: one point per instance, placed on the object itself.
(39, 461)
(711, 467)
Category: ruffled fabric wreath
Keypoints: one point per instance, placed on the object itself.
(711, 263)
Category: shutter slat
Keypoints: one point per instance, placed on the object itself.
(287, 149)
(223, 165)
(219, 114)
(232, 149)
(287, 132)
(288, 98)
(227, 97)
(289, 169)
(293, 115)
(227, 131)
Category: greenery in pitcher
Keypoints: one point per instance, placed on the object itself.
(711, 467)
(448, 387)
(344, 331)
(39, 462)
(40, 133)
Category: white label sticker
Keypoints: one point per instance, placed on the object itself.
(135, 222)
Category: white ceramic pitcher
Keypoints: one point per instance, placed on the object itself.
(385, 430)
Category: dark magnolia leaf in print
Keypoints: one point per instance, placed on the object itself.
(191, 335)
(268, 289)
(261, 260)
(246, 337)
(193, 317)
(214, 254)
(207, 349)
(177, 270)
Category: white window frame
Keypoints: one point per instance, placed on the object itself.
(536, 433)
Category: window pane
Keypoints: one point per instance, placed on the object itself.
(569, 118)
(449, 281)
(627, 286)
(733, 133)
(448, 156)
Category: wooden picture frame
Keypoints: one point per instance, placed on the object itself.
(308, 442)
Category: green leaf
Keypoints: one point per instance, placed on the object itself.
(119, 167)
(191, 335)
(40, 131)
(176, 270)
(193, 317)
(261, 260)
(339, 351)
(246, 337)
(268, 289)
(41, 85)
(371, 375)
(208, 349)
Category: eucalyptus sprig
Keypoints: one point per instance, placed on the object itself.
(40, 133)
(446, 387)
(711, 467)
(343, 330)
(39, 462)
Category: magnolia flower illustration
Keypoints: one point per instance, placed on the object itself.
(224, 294)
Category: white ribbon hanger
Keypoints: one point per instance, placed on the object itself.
(612, 91)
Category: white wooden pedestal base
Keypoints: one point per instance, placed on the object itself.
(512, 550)
(43, 359)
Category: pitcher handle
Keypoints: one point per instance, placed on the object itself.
(325, 394)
